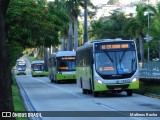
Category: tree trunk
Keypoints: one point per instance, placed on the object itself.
(159, 49)
(75, 33)
(141, 48)
(62, 44)
(46, 59)
(70, 36)
(6, 102)
(85, 37)
(35, 52)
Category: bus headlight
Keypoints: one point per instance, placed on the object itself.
(134, 79)
(59, 72)
(99, 80)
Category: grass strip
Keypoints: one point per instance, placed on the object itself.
(17, 101)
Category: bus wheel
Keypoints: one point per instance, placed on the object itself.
(57, 81)
(52, 80)
(95, 94)
(89, 91)
(84, 91)
(129, 92)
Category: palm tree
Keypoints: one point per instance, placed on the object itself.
(96, 29)
(155, 23)
(136, 27)
(74, 11)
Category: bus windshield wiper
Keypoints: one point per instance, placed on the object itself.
(108, 56)
(120, 60)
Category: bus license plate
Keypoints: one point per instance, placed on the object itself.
(118, 88)
(125, 81)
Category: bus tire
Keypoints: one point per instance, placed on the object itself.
(95, 93)
(57, 81)
(84, 91)
(129, 92)
(52, 80)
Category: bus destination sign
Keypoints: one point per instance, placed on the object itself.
(114, 46)
(68, 58)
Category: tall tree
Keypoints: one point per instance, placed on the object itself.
(74, 11)
(6, 102)
(109, 27)
(58, 8)
(137, 26)
(155, 23)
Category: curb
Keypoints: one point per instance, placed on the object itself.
(28, 104)
(152, 95)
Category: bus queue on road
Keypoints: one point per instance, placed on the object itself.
(109, 65)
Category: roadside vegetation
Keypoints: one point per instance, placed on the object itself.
(32, 58)
(149, 88)
(17, 100)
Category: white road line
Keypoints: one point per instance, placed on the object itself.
(70, 92)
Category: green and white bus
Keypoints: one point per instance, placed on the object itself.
(107, 65)
(62, 66)
(37, 68)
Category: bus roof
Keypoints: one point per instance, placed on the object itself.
(22, 63)
(64, 53)
(90, 43)
(37, 61)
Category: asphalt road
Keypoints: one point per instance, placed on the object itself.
(39, 94)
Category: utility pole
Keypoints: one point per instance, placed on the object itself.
(85, 37)
(148, 38)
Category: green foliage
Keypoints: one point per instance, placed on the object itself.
(15, 51)
(58, 9)
(109, 27)
(17, 101)
(30, 23)
(155, 21)
(137, 26)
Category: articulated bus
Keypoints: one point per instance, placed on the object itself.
(37, 68)
(62, 66)
(107, 65)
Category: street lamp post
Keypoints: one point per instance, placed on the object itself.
(148, 38)
(85, 37)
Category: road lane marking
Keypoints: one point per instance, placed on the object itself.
(86, 99)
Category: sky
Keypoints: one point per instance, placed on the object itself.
(105, 1)
(106, 11)
(96, 2)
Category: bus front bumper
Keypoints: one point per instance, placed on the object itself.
(116, 87)
(43, 73)
(66, 76)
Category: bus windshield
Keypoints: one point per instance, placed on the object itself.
(21, 67)
(111, 64)
(66, 64)
(38, 67)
